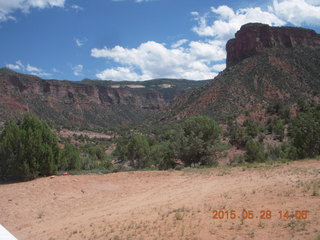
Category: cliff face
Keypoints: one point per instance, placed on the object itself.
(268, 64)
(87, 103)
(254, 37)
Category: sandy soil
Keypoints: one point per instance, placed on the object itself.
(166, 205)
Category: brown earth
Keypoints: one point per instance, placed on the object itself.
(166, 204)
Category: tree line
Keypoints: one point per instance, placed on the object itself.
(29, 148)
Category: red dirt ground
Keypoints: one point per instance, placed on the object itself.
(166, 204)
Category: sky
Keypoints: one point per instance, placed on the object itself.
(134, 39)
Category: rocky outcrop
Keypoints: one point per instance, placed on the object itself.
(253, 37)
(85, 103)
(265, 65)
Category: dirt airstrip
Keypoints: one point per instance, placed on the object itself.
(168, 204)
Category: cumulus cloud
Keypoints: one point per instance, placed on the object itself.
(219, 67)
(201, 59)
(298, 12)
(118, 74)
(77, 70)
(154, 60)
(7, 8)
(227, 21)
(28, 68)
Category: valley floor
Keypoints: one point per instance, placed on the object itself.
(167, 204)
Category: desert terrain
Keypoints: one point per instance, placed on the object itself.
(167, 204)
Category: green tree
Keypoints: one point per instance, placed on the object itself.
(136, 150)
(238, 136)
(28, 149)
(199, 135)
(163, 155)
(69, 158)
(252, 127)
(304, 133)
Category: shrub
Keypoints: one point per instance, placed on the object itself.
(28, 149)
(252, 128)
(136, 150)
(238, 136)
(200, 133)
(255, 152)
(304, 133)
(278, 129)
(163, 156)
(69, 158)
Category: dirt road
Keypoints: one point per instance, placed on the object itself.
(168, 204)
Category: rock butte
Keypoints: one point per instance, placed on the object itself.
(253, 37)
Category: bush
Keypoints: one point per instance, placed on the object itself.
(69, 158)
(255, 152)
(136, 150)
(28, 149)
(163, 156)
(238, 136)
(252, 128)
(278, 129)
(304, 133)
(200, 133)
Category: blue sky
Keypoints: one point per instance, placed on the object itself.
(134, 39)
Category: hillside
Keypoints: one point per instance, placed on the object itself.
(264, 64)
(87, 103)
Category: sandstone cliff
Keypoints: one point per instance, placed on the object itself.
(252, 38)
(86, 103)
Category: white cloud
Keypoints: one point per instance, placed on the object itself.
(80, 42)
(213, 50)
(227, 21)
(77, 70)
(154, 60)
(179, 43)
(36, 71)
(219, 67)
(118, 74)
(298, 12)
(8, 7)
(17, 66)
(30, 69)
(313, 2)
(201, 59)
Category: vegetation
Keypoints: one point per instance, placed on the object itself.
(255, 151)
(304, 132)
(69, 158)
(28, 149)
(192, 142)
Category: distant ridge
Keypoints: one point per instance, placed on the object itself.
(88, 103)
